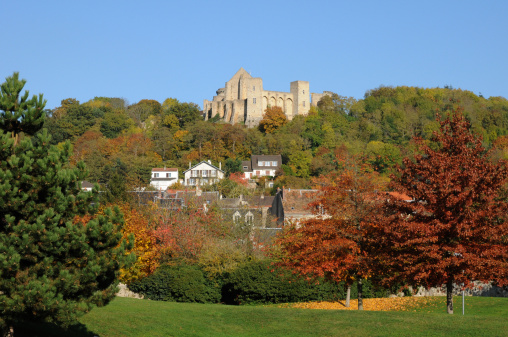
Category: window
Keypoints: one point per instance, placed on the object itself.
(168, 175)
(194, 173)
(274, 163)
(156, 175)
(254, 100)
(204, 173)
(267, 172)
(304, 91)
(303, 103)
(236, 217)
(249, 218)
(245, 167)
(258, 173)
(192, 181)
(261, 163)
(254, 89)
(213, 173)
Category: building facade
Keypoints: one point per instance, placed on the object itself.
(244, 100)
(162, 178)
(261, 166)
(203, 173)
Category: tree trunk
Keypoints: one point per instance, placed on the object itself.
(9, 332)
(449, 295)
(348, 295)
(360, 290)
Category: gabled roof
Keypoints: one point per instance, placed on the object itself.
(241, 72)
(207, 163)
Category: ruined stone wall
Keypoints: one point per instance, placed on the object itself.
(243, 100)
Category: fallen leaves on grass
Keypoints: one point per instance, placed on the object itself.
(411, 303)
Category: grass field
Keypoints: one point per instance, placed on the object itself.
(130, 317)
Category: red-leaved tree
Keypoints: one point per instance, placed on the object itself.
(332, 243)
(454, 231)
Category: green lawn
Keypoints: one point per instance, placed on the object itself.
(129, 317)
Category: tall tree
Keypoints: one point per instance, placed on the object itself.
(454, 231)
(273, 119)
(332, 243)
(50, 268)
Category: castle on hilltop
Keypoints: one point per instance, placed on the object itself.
(243, 100)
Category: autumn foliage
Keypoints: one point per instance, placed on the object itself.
(273, 119)
(454, 230)
(331, 244)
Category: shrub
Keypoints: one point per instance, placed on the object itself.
(258, 282)
(178, 283)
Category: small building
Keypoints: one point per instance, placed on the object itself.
(162, 178)
(86, 186)
(261, 166)
(203, 173)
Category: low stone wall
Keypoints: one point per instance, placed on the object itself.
(125, 292)
(479, 289)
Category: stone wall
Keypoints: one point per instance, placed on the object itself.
(479, 289)
(125, 292)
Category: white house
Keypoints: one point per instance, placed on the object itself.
(261, 166)
(203, 173)
(162, 178)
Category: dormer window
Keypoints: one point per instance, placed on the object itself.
(261, 163)
(236, 217)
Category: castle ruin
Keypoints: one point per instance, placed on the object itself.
(243, 100)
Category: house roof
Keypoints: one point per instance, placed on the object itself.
(204, 162)
(246, 163)
(259, 201)
(252, 164)
(86, 184)
(297, 201)
(169, 169)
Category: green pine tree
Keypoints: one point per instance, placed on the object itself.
(51, 268)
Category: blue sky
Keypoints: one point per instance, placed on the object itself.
(188, 49)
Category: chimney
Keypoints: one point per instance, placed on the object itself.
(220, 165)
(190, 164)
(210, 162)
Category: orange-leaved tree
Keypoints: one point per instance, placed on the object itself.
(145, 247)
(332, 243)
(454, 230)
(273, 119)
